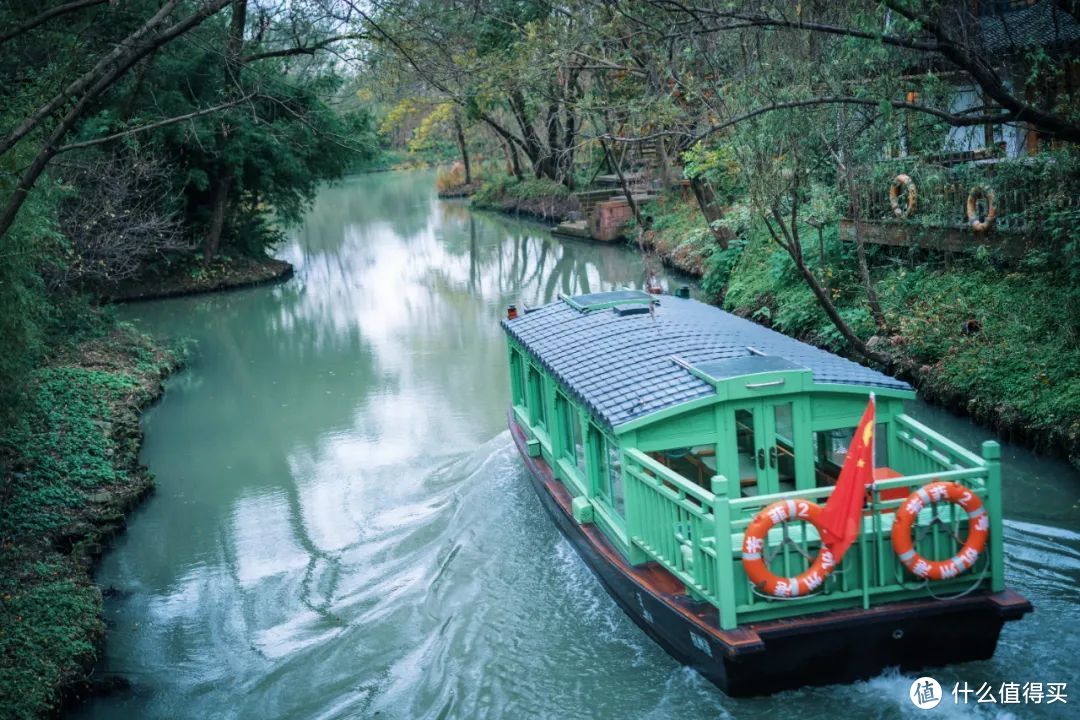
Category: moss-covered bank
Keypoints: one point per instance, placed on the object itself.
(192, 277)
(993, 338)
(70, 474)
(541, 199)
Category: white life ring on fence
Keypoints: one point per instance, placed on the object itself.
(976, 194)
(899, 183)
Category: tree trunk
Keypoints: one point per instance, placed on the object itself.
(223, 180)
(219, 200)
(665, 164)
(459, 132)
(515, 161)
(622, 183)
(860, 245)
(706, 200)
(791, 244)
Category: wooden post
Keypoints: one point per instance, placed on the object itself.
(991, 453)
(723, 489)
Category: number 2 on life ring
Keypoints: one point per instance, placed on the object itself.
(965, 559)
(756, 538)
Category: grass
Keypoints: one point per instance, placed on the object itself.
(70, 471)
(679, 234)
(539, 197)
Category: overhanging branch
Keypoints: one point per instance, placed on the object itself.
(153, 126)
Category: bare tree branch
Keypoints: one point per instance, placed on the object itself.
(48, 15)
(302, 49)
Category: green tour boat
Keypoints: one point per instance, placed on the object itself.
(690, 455)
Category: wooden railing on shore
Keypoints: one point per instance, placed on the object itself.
(696, 534)
(939, 220)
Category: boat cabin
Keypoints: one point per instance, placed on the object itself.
(671, 424)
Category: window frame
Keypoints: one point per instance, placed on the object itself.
(537, 402)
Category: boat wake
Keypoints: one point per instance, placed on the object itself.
(443, 590)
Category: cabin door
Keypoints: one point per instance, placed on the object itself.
(764, 437)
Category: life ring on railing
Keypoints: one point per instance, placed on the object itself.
(898, 183)
(965, 559)
(756, 538)
(976, 194)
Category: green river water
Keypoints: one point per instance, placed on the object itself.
(342, 528)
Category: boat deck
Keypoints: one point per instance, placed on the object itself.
(653, 579)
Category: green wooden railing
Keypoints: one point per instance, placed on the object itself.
(674, 523)
(696, 533)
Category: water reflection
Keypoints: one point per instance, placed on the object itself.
(342, 528)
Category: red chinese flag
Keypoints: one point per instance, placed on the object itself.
(842, 517)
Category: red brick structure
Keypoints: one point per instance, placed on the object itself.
(609, 218)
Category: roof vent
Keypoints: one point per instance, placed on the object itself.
(631, 309)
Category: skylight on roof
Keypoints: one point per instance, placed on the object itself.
(748, 365)
(604, 300)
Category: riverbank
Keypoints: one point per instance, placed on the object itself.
(70, 475)
(953, 322)
(536, 198)
(983, 337)
(194, 278)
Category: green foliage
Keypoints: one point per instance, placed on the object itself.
(61, 448)
(27, 309)
(500, 187)
(1021, 360)
(72, 449)
(65, 443)
(1008, 364)
(679, 233)
(718, 165)
(719, 266)
(49, 624)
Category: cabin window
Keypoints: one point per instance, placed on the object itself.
(782, 455)
(573, 446)
(745, 445)
(765, 440)
(608, 470)
(697, 463)
(831, 448)
(537, 407)
(517, 379)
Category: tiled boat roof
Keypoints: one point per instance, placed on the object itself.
(1014, 28)
(621, 368)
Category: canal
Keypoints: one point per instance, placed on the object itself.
(342, 528)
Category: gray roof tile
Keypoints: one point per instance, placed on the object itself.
(620, 366)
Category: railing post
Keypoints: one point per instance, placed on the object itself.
(991, 453)
(632, 499)
(722, 488)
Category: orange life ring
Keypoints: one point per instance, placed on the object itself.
(756, 538)
(964, 560)
(978, 193)
(894, 196)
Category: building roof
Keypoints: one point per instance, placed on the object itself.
(1011, 27)
(620, 364)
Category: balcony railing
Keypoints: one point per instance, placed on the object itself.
(697, 534)
(1025, 193)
